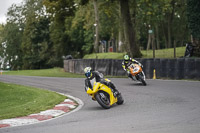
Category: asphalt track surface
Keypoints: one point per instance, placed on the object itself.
(163, 106)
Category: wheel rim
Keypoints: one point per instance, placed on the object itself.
(104, 99)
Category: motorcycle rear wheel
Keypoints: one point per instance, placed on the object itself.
(120, 99)
(103, 100)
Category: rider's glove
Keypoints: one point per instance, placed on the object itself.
(124, 67)
(128, 71)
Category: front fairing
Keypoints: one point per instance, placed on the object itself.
(101, 87)
(95, 89)
(135, 69)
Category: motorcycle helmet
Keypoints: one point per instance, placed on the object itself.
(87, 71)
(126, 59)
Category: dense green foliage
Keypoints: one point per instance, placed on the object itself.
(193, 10)
(193, 13)
(40, 33)
(17, 100)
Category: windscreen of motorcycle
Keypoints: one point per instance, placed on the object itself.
(92, 82)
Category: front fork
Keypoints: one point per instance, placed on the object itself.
(141, 74)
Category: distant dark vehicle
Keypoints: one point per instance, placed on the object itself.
(189, 50)
(68, 57)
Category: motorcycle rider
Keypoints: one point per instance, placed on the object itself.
(127, 62)
(95, 76)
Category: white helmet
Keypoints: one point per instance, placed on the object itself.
(87, 71)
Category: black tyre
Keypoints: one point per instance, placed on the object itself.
(142, 80)
(120, 99)
(103, 100)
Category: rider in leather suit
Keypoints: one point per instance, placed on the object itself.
(127, 62)
(95, 76)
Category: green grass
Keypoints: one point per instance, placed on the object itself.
(163, 53)
(110, 55)
(54, 72)
(17, 100)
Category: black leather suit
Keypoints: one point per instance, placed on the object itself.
(98, 77)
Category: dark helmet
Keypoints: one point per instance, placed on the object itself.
(126, 58)
(87, 71)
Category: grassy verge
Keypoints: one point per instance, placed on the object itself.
(17, 100)
(55, 72)
(162, 53)
(110, 55)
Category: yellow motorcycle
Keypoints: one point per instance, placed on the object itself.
(104, 95)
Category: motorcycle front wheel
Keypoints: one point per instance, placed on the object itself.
(142, 80)
(103, 100)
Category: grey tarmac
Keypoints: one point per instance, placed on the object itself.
(162, 106)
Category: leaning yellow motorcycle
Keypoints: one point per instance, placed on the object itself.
(104, 95)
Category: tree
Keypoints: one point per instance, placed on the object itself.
(108, 24)
(129, 29)
(193, 14)
(96, 44)
(36, 44)
(110, 27)
(1, 46)
(12, 37)
(12, 41)
(166, 18)
(80, 31)
(60, 12)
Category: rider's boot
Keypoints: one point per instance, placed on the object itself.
(113, 88)
(115, 91)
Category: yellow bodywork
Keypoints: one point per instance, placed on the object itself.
(101, 87)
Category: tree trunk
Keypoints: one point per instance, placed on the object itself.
(170, 21)
(153, 45)
(149, 41)
(129, 30)
(174, 48)
(122, 45)
(96, 44)
(169, 33)
(164, 33)
(157, 38)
